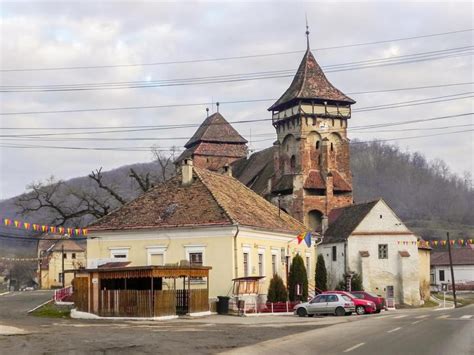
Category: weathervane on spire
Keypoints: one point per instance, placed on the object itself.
(307, 32)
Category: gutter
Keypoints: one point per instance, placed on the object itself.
(236, 265)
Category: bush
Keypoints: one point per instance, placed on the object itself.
(277, 290)
(321, 276)
(298, 276)
(356, 283)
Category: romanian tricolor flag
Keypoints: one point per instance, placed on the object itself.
(306, 236)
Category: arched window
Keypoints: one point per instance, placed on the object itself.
(332, 147)
(332, 121)
(292, 164)
(317, 144)
(341, 122)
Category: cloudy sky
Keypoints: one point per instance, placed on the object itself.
(117, 37)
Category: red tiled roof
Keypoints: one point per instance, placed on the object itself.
(212, 199)
(339, 183)
(215, 128)
(315, 181)
(460, 256)
(310, 83)
(404, 253)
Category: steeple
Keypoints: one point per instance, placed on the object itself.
(310, 85)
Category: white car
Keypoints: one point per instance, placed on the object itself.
(336, 304)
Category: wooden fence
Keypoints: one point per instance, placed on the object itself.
(80, 293)
(199, 301)
(125, 303)
(165, 303)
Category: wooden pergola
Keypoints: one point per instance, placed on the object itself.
(142, 291)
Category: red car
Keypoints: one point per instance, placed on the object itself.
(361, 306)
(379, 301)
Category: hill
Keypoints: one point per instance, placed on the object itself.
(426, 195)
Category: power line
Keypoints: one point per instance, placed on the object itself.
(204, 104)
(236, 57)
(454, 52)
(399, 104)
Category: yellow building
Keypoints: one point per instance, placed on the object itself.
(205, 218)
(52, 267)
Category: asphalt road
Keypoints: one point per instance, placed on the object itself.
(395, 332)
(445, 332)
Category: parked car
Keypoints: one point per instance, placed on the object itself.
(379, 301)
(336, 304)
(361, 306)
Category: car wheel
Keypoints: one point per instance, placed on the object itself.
(301, 312)
(360, 310)
(340, 311)
(377, 311)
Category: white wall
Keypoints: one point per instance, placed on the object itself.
(462, 273)
(335, 269)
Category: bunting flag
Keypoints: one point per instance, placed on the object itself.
(44, 228)
(435, 243)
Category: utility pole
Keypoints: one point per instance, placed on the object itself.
(453, 283)
(62, 264)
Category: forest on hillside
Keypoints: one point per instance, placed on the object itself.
(425, 194)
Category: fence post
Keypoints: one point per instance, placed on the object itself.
(286, 306)
(272, 306)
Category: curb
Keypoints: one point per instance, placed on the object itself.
(41, 305)
(4, 293)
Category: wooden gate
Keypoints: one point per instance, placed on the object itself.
(199, 301)
(182, 302)
(80, 293)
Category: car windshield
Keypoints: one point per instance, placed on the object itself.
(346, 298)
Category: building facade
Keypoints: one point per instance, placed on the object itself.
(463, 267)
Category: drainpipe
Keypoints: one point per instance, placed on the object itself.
(345, 257)
(236, 265)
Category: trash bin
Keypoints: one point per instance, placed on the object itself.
(223, 304)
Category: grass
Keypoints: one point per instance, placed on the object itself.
(50, 310)
(461, 301)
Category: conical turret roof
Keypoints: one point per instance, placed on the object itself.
(310, 83)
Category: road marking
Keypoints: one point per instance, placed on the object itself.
(443, 316)
(467, 316)
(381, 317)
(402, 316)
(354, 347)
(423, 316)
(418, 321)
(394, 330)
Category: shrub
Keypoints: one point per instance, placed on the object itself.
(321, 276)
(277, 290)
(356, 283)
(298, 276)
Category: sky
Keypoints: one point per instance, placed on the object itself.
(118, 37)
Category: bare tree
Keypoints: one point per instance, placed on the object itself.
(165, 161)
(98, 178)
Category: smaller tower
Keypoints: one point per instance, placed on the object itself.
(214, 145)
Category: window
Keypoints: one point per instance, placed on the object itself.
(383, 251)
(332, 147)
(260, 264)
(73, 255)
(332, 122)
(119, 253)
(441, 275)
(341, 122)
(332, 298)
(65, 255)
(60, 277)
(308, 264)
(195, 259)
(334, 253)
(292, 163)
(156, 255)
(246, 264)
(317, 144)
(274, 264)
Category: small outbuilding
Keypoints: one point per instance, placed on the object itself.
(142, 291)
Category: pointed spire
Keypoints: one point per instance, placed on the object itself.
(307, 32)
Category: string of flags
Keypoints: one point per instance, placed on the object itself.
(306, 236)
(436, 243)
(18, 259)
(44, 228)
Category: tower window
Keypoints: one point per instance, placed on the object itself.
(332, 121)
(314, 121)
(332, 147)
(317, 144)
(292, 163)
(341, 123)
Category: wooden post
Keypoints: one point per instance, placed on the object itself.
(152, 300)
(453, 283)
(62, 264)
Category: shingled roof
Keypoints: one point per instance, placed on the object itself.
(215, 128)
(343, 221)
(460, 256)
(212, 199)
(310, 83)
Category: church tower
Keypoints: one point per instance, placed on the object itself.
(311, 153)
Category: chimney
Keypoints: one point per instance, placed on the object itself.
(187, 171)
(227, 170)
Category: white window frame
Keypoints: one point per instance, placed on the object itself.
(188, 249)
(276, 252)
(261, 251)
(308, 264)
(155, 250)
(247, 250)
(119, 250)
